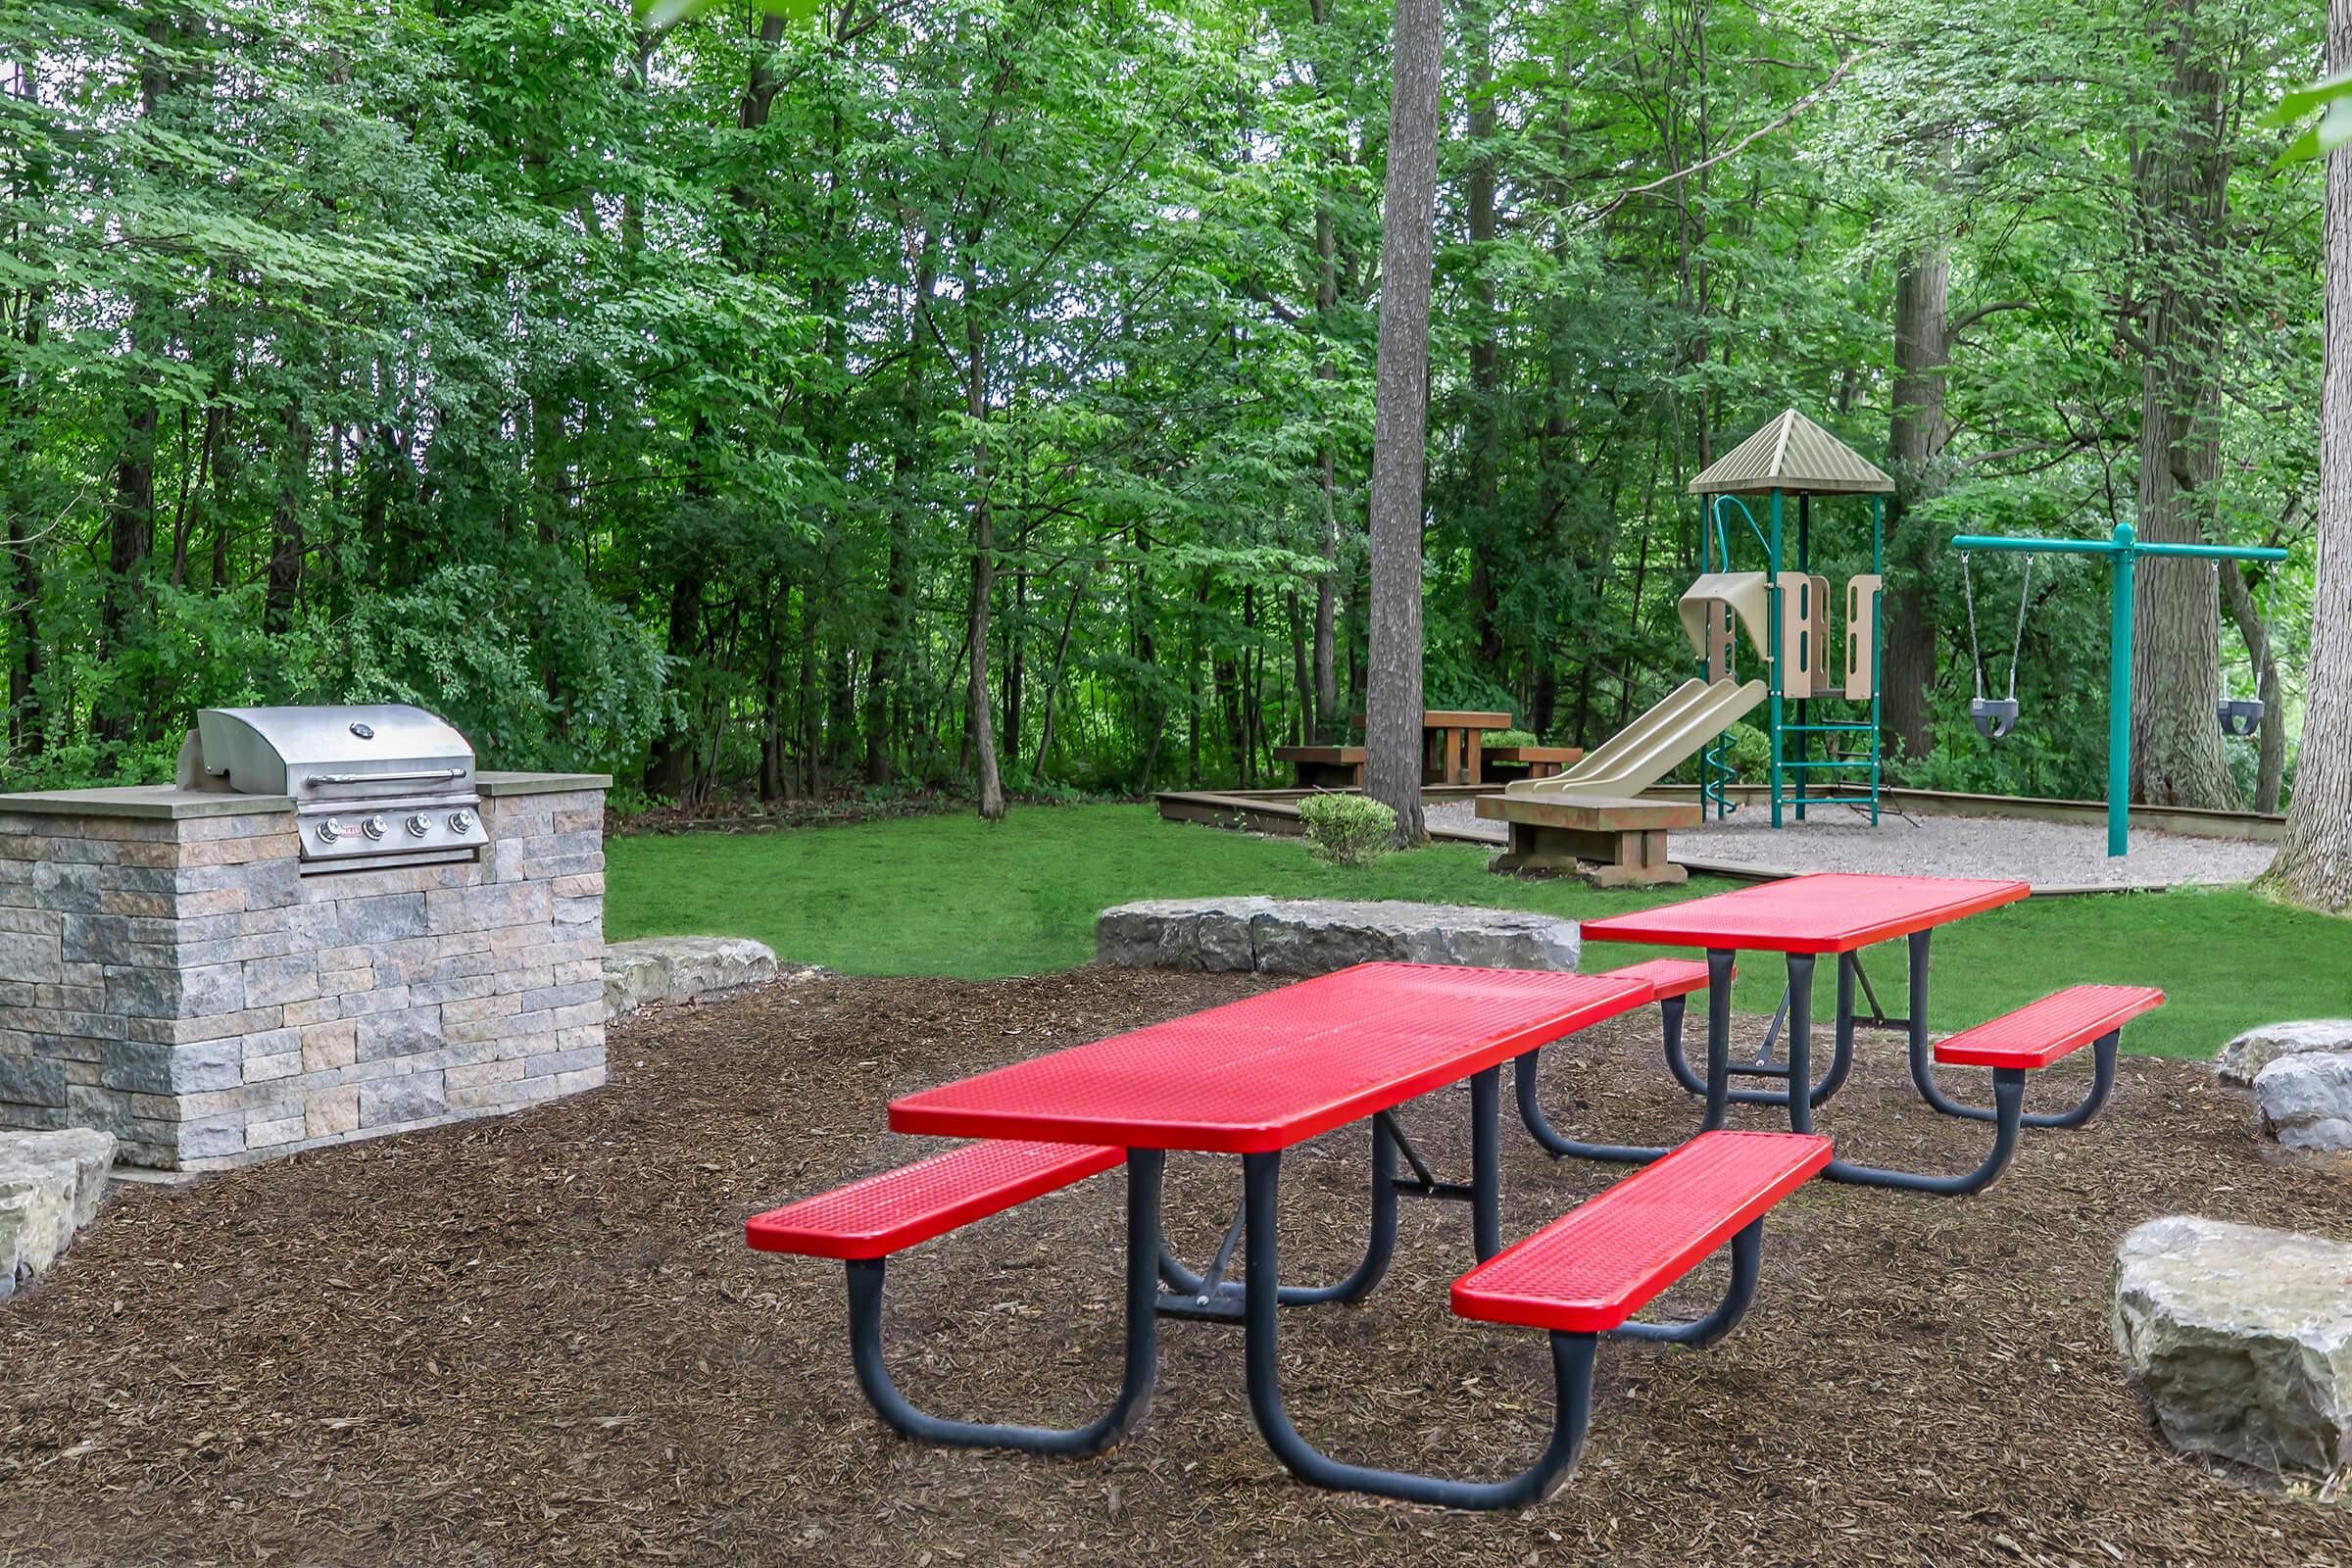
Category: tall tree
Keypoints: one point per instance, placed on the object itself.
(1392, 735)
(2314, 864)
(2183, 175)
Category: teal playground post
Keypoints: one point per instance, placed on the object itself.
(2123, 551)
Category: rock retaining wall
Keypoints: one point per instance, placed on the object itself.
(1314, 936)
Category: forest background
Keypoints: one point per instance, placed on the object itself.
(700, 400)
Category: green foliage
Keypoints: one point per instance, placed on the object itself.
(636, 385)
(1508, 737)
(1351, 830)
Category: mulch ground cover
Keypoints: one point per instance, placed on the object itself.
(541, 1338)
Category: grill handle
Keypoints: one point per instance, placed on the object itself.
(416, 776)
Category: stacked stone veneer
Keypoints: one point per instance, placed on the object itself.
(167, 975)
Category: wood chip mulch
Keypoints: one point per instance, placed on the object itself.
(540, 1340)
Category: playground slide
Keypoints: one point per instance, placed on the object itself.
(1655, 743)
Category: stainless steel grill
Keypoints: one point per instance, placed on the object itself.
(372, 786)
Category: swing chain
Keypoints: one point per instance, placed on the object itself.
(2017, 644)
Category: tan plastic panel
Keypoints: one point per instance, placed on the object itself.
(1804, 633)
(1861, 635)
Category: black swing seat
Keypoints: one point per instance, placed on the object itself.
(2239, 715)
(1995, 717)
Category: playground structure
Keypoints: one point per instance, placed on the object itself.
(1783, 612)
(2122, 550)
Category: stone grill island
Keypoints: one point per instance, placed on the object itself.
(169, 972)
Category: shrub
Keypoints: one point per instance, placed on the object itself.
(1508, 737)
(1348, 829)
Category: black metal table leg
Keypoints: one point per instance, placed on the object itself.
(1801, 1040)
(1486, 1162)
(1556, 1143)
(1572, 1378)
(1923, 1071)
(1719, 1038)
(1677, 1062)
(865, 1276)
(1197, 1296)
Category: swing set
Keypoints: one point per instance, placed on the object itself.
(1995, 717)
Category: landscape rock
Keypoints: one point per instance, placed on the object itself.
(1211, 934)
(1315, 936)
(2242, 1060)
(676, 970)
(2243, 1338)
(50, 1186)
(2306, 1100)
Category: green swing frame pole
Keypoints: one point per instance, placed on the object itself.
(2122, 550)
(1772, 619)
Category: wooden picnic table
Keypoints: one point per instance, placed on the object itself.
(1450, 743)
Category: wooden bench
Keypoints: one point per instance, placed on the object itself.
(1584, 1275)
(1610, 841)
(1324, 767)
(1509, 764)
(864, 1223)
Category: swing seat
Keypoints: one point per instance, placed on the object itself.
(2240, 715)
(1995, 717)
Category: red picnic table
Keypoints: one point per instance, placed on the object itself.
(1252, 1078)
(1804, 917)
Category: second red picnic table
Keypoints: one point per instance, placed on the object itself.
(1803, 918)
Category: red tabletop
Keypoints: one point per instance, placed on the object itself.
(1278, 1068)
(1835, 912)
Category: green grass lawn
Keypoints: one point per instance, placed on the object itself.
(951, 896)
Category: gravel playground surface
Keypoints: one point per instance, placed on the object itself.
(541, 1340)
(2045, 854)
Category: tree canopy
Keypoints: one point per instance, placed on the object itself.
(725, 399)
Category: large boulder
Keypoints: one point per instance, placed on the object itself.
(1180, 933)
(2242, 1060)
(676, 970)
(2243, 1338)
(1315, 936)
(2306, 1100)
(50, 1185)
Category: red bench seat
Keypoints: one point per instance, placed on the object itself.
(1673, 977)
(2040, 1033)
(888, 1213)
(1597, 1265)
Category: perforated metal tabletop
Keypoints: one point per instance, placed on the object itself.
(1275, 1069)
(1832, 913)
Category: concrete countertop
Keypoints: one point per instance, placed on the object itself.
(169, 800)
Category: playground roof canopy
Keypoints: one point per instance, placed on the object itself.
(1795, 455)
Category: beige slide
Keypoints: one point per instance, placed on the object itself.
(1653, 745)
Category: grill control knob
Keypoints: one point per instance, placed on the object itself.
(329, 831)
(418, 825)
(373, 827)
(461, 821)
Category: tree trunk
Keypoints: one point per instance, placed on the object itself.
(2182, 176)
(1486, 359)
(286, 546)
(1917, 431)
(979, 731)
(1401, 385)
(2314, 865)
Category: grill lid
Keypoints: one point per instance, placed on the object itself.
(303, 751)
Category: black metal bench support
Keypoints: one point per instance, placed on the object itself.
(1145, 1167)
(1923, 1072)
(1571, 1368)
(1747, 1254)
(1677, 1062)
